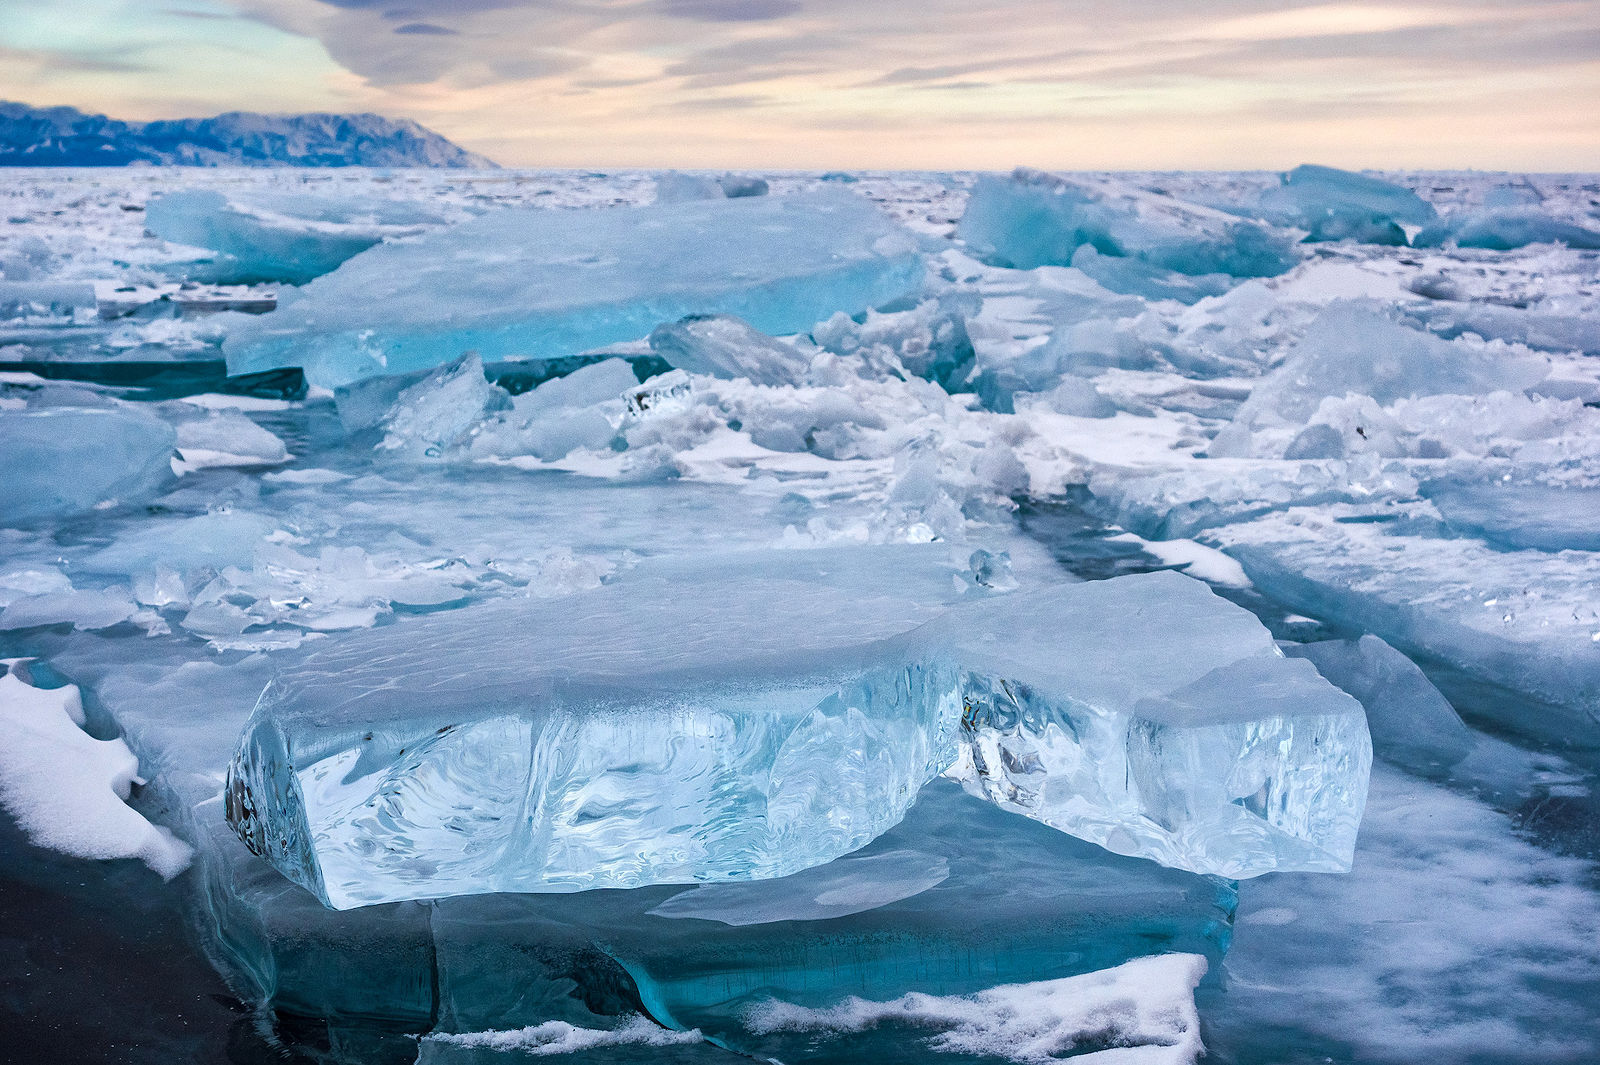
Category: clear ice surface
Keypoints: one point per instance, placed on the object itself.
(540, 284)
(653, 742)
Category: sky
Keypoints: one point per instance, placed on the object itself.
(906, 84)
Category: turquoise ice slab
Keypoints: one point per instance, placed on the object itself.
(701, 722)
(542, 284)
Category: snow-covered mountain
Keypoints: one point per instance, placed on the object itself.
(64, 136)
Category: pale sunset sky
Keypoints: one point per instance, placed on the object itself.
(943, 84)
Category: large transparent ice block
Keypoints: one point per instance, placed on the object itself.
(645, 732)
(542, 284)
(704, 726)
(1151, 716)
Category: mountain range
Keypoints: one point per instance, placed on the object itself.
(65, 136)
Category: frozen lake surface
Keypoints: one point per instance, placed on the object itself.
(483, 616)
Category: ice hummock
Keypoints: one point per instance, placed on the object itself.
(542, 284)
(653, 742)
(1032, 219)
(1333, 204)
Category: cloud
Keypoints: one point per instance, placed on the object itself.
(426, 29)
(730, 10)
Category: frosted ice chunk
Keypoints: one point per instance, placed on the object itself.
(579, 410)
(1035, 219)
(724, 346)
(62, 461)
(1505, 229)
(85, 609)
(67, 790)
(1339, 205)
(737, 185)
(677, 187)
(1411, 723)
(1353, 348)
(227, 438)
(652, 741)
(547, 284)
(282, 237)
(1224, 758)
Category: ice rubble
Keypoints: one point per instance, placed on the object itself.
(366, 791)
(67, 790)
(1035, 219)
(283, 237)
(539, 284)
(1352, 349)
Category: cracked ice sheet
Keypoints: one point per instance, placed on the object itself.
(1444, 894)
(1525, 620)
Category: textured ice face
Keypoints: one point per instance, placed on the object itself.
(546, 284)
(631, 735)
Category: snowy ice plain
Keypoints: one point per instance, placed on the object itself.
(549, 587)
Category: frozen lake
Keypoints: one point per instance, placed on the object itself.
(674, 625)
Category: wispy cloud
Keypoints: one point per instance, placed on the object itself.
(914, 82)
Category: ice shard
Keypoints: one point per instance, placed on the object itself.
(542, 284)
(630, 736)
